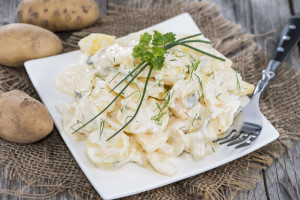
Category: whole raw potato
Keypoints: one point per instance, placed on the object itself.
(59, 15)
(22, 118)
(21, 42)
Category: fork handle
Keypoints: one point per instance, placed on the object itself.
(288, 38)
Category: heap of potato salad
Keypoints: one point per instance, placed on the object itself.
(189, 103)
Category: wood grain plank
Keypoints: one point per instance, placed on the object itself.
(283, 176)
(257, 193)
(8, 10)
(296, 6)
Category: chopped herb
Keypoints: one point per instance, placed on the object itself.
(200, 82)
(114, 77)
(198, 93)
(158, 118)
(188, 68)
(173, 60)
(78, 122)
(194, 67)
(213, 149)
(139, 91)
(102, 122)
(218, 95)
(158, 84)
(238, 85)
(132, 94)
(101, 77)
(121, 109)
(91, 91)
(196, 117)
(186, 113)
(127, 118)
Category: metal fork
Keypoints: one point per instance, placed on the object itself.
(248, 122)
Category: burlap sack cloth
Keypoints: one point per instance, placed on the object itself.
(49, 165)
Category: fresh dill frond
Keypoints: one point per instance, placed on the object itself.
(162, 109)
(200, 82)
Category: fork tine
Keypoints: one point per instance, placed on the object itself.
(245, 137)
(233, 138)
(227, 136)
(249, 141)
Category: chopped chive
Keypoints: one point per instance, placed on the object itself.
(91, 91)
(218, 95)
(196, 115)
(78, 122)
(173, 60)
(127, 118)
(102, 122)
(101, 77)
(200, 82)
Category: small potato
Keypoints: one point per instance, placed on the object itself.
(58, 15)
(22, 118)
(22, 42)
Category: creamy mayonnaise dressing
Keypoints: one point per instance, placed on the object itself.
(188, 103)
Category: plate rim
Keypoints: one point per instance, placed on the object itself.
(29, 65)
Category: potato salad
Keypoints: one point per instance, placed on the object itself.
(188, 103)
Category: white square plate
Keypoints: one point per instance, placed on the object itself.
(130, 178)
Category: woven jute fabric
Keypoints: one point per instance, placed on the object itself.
(48, 168)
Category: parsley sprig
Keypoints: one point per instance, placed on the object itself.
(151, 51)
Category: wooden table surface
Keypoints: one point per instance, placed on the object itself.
(282, 179)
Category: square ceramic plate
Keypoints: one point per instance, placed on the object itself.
(130, 178)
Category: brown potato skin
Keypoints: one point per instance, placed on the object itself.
(22, 118)
(58, 15)
(21, 42)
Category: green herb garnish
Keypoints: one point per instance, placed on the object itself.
(151, 54)
(162, 109)
(196, 117)
(102, 122)
(238, 85)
